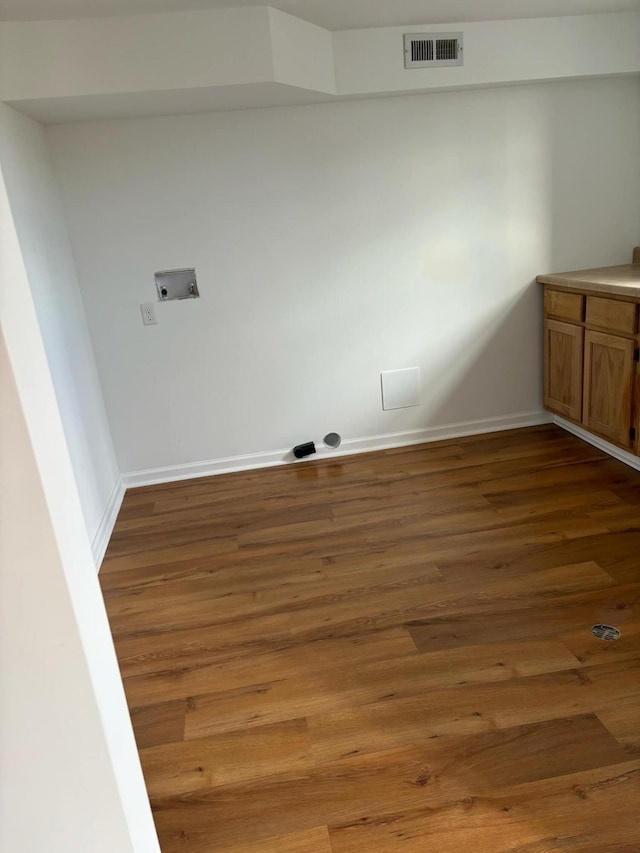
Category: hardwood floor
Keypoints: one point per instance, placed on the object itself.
(388, 652)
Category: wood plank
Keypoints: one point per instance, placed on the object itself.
(227, 601)
(238, 756)
(616, 555)
(261, 663)
(163, 556)
(373, 682)
(556, 616)
(249, 663)
(314, 840)
(622, 719)
(159, 723)
(472, 708)
(532, 503)
(590, 812)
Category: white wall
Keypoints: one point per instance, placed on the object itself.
(42, 231)
(71, 780)
(495, 52)
(333, 242)
(134, 53)
(168, 63)
(302, 53)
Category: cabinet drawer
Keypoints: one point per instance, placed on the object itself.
(611, 315)
(564, 306)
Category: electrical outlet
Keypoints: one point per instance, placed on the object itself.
(148, 311)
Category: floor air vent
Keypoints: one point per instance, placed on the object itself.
(430, 50)
(605, 632)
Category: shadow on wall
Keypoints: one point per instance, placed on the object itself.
(497, 359)
(492, 359)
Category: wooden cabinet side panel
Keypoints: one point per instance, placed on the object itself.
(563, 355)
(608, 386)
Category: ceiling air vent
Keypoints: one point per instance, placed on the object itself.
(432, 50)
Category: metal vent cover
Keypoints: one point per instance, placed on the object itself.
(605, 632)
(432, 50)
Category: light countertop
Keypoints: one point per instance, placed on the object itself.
(622, 280)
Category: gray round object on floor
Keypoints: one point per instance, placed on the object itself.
(332, 440)
(605, 632)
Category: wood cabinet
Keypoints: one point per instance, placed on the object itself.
(563, 349)
(591, 362)
(608, 386)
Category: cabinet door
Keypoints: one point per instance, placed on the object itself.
(563, 369)
(608, 386)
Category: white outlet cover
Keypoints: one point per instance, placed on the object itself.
(148, 311)
(400, 388)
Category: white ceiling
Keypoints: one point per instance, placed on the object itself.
(332, 14)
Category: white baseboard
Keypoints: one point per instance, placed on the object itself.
(171, 473)
(617, 452)
(107, 523)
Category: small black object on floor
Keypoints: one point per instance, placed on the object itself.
(302, 450)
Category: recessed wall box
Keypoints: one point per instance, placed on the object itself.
(176, 284)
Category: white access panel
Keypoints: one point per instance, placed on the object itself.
(400, 388)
